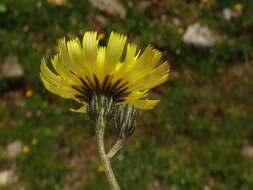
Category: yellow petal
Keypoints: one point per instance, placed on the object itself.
(151, 79)
(137, 95)
(147, 58)
(144, 64)
(90, 48)
(77, 58)
(64, 71)
(143, 104)
(153, 84)
(130, 60)
(70, 57)
(100, 64)
(82, 109)
(131, 53)
(63, 54)
(65, 93)
(115, 47)
(51, 77)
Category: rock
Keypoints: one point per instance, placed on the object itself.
(167, 125)
(120, 157)
(176, 22)
(57, 2)
(229, 14)
(112, 7)
(247, 151)
(144, 5)
(101, 21)
(206, 187)
(199, 36)
(11, 69)
(7, 177)
(14, 149)
(97, 22)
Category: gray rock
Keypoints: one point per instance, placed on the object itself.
(199, 36)
(7, 177)
(206, 187)
(229, 14)
(247, 151)
(144, 5)
(167, 125)
(120, 157)
(57, 2)
(14, 149)
(11, 69)
(112, 7)
(101, 21)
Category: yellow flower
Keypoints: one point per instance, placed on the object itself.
(34, 141)
(238, 7)
(84, 70)
(180, 30)
(101, 36)
(26, 149)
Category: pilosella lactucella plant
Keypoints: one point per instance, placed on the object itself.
(110, 87)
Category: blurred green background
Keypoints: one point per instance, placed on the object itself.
(200, 137)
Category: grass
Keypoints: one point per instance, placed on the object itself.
(192, 140)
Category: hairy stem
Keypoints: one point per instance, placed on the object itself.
(100, 129)
(116, 147)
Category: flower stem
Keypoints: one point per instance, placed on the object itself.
(100, 129)
(116, 147)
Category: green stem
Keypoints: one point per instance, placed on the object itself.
(100, 129)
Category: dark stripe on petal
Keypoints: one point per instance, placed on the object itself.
(91, 84)
(86, 85)
(105, 82)
(122, 95)
(120, 100)
(88, 93)
(114, 86)
(108, 86)
(121, 91)
(78, 88)
(82, 98)
(116, 90)
(97, 86)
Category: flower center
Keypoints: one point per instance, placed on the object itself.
(117, 90)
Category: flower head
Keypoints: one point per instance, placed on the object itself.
(34, 141)
(25, 149)
(84, 69)
(125, 120)
(238, 7)
(180, 30)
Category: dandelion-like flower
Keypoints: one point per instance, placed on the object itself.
(84, 70)
(238, 7)
(26, 149)
(108, 81)
(180, 30)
